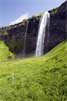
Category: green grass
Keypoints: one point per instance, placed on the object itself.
(54, 11)
(4, 51)
(36, 79)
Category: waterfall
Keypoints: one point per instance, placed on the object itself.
(44, 21)
(25, 37)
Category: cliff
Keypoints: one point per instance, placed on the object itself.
(23, 36)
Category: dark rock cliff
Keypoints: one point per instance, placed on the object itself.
(22, 37)
(58, 28)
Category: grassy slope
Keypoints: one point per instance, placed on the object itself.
(36, 79)
(4, 52)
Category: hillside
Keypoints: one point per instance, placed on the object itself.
(36, 79)
(5, 53)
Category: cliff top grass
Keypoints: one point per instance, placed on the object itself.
(54, 11)
(36, 79)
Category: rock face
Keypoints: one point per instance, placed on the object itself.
(57, 27)
(14, 36)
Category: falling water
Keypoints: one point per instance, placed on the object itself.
(25, 37)
(44, 21)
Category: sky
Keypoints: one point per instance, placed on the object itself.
(11, 10)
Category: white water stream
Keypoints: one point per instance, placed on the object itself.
(44, 21)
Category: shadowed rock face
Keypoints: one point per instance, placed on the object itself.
(14, 35)
(57, 27)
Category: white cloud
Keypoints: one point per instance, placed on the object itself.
(20, 19)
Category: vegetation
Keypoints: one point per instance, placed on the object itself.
(38, 15)
(35, 79)
(54, 11)
(4, 52)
